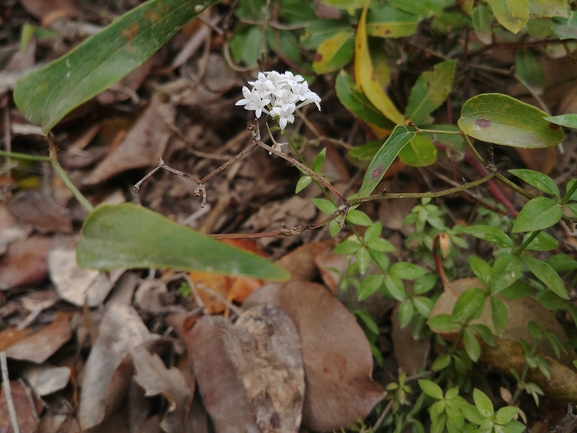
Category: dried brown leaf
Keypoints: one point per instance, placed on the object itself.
(40, 210)
(336, 354)
(25, 262)
(410, 354)
(25, 405)
(141, 147)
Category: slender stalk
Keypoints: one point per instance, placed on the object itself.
(8, 392)
(472, 149)
(60, 172)
(24, 156)
(525, 244)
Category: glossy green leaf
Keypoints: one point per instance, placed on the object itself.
(319, 160)
(529, 70)
(562, 262)
(442, 322)
(565, 28)
(538, 180)
(320, 30)
(422, 8)
(441, 362)
(511, 14)
(390, 22)
(542, 242)
(489, 234)
(357, 103)
(499, 315)
(429, 92)
(500, 119)
(506, 269)
(130, 236)
(482, 18)
(335, 52)
(468, 305)
(567, 120)
(484, 332)
(357, 217)
(395, 287)
(420, 152)
(302, 183)
(483, 403)
(424, 284)
(405, 312)
(324, 205)
(45, 96)
(369, 285)
(367, 319)
(547, 275)
(538, 214)
(548, 8)
(423, 305)
(363, 259)
(431, 388)
(384, 158)
(472, 346)
(407, 270)
(481, 269)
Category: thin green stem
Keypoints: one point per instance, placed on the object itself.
(513, 186)
(568, 194)
(60, 172)
(472, 149)
(24, 156)
(525, 244)
(436, 131)
(457, 189)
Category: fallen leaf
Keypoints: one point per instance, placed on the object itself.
(250, 375)
(121, 330)
(141, 147)
(300, 262)
(10, 229)
(40, 210)
(336, 354)
(42, 8)
(39, 346)
(26, 407)
(25, 262)
(411, 355)
(155, 379)
(46, 379)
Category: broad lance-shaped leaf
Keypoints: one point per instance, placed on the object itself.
(568, 120)
(500, 119)
(565, 28)
(365, 74)
(429, 92)
(335, 52)
(384, 158)
(130, 236)
(45, 96)
(390, 22)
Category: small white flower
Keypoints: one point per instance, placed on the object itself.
(277, 95)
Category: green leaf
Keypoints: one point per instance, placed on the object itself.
(484, 332)
(469, 305)
(357, 217)
(390, 22)
(538, 214)
(420, 152)
(442, 322)
(548, 8)
(565, 28)
(506, 269)
(319, 160)
(482, 18)
(441, 362)
(547, 275)
(472, 346)
(395, 287)
(511, 14)
(481, 269)
(363, 259)
(245, 46)
(380, 244)
(359, 105)
(483, 403)
(422, 8)
(324, 205)
(369, 285)
(348, 246)
(450, 22)
(538, 180)
(562, 263)
(302, 183)
(367, 319)
(45, 96)
(320, 30)
(500, 119)
(431, 389)
(528, 69)
(424, 284)
(506, 414)
(345, 4)
(518, 290)
(384, 158)
(406, 312)
(423, 306)
(407, 271)
(373, 231)
(542, 242)
(567, 120)
(429, 92)
(334, 52)
(499, 315)
(489, 234)
(129, 236)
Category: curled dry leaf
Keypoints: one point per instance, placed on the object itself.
(46, 379)
(155, 378)
(121, 330)
(336, 354)
(41, 345)
(250, 376)
(508, 353)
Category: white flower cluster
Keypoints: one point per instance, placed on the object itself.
(278, 95)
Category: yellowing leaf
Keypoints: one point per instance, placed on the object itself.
(364, 74)
(511, 14)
